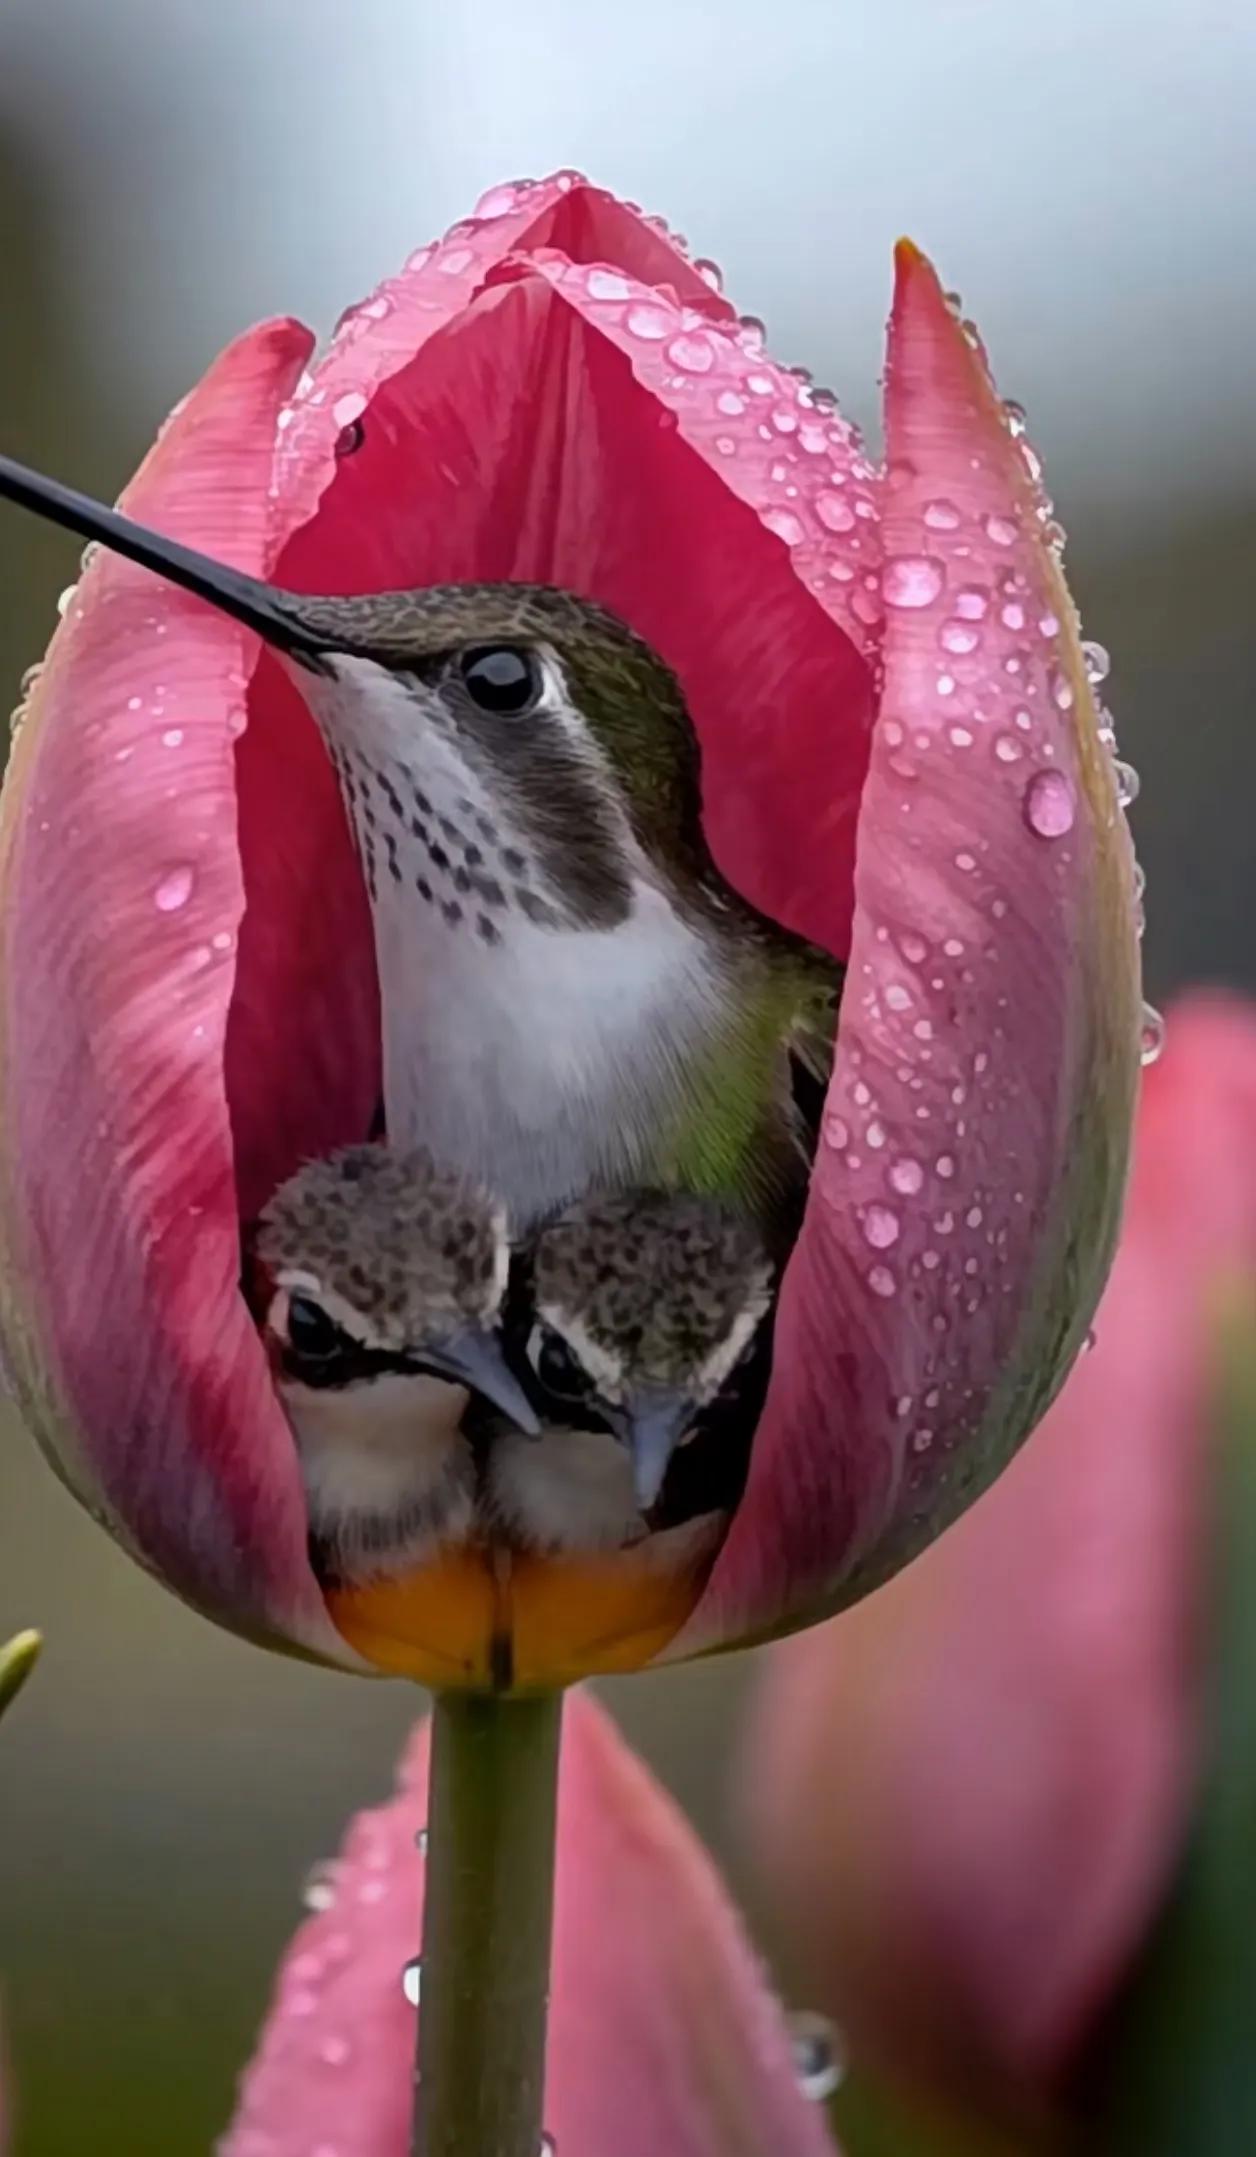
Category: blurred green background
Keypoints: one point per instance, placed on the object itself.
(170, 171)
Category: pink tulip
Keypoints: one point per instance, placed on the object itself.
(970, 1795)
(662, 2035)
(900, 759)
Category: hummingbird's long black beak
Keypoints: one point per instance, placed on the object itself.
(271, 613)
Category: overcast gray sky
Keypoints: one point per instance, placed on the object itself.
(1086, 174)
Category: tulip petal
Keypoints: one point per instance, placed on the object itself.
(639, 478)
(662, 2034)
(132, 1352)
(783, 708)
(969, 1794)
(965, 1199)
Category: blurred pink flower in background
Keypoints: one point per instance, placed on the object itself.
(970, 1796)
(662, 2035)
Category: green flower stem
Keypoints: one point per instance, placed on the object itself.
(487, 1924)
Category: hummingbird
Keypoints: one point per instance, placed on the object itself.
(573, 996)
(642, 1323)
(378, 1281)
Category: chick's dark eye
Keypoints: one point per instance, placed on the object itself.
(502, 678)
(556, 1366)
(312, 1335)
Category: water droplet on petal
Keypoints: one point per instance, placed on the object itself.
(1016, 416)
(1001, 531)
(1127, 783)
(912, 580)
(958, 637)
(753, 329)
(881, 1281)
(607, 285)
(412, 1979)
(172, 738)
(547, 2147)
(710, 272)
(880, 1226)
(1008, 749)
(785, 525)
(350, 439)
(348, 408)
(818, 2062)
(835, 512)
(1090, 1341)
(497, 202)
(318, 1889)
(941, 516)
(971, 603)
(335, 2051)
(1049, 805)
(1150, 1035)
(174, 890)
(420, 1841)
(1098, 662)
(907, 1177)
(692, 355)
(945, 1165)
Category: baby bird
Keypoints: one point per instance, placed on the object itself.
(644, 1314)
(381, 1285)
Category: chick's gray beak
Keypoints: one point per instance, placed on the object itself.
(476, 1359)
(655, 1428)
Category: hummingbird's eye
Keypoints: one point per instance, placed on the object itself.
(312, 1335)
(556, 1366)
(502, 678)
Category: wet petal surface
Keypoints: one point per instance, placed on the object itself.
(966, 1194)
(133, 1355)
